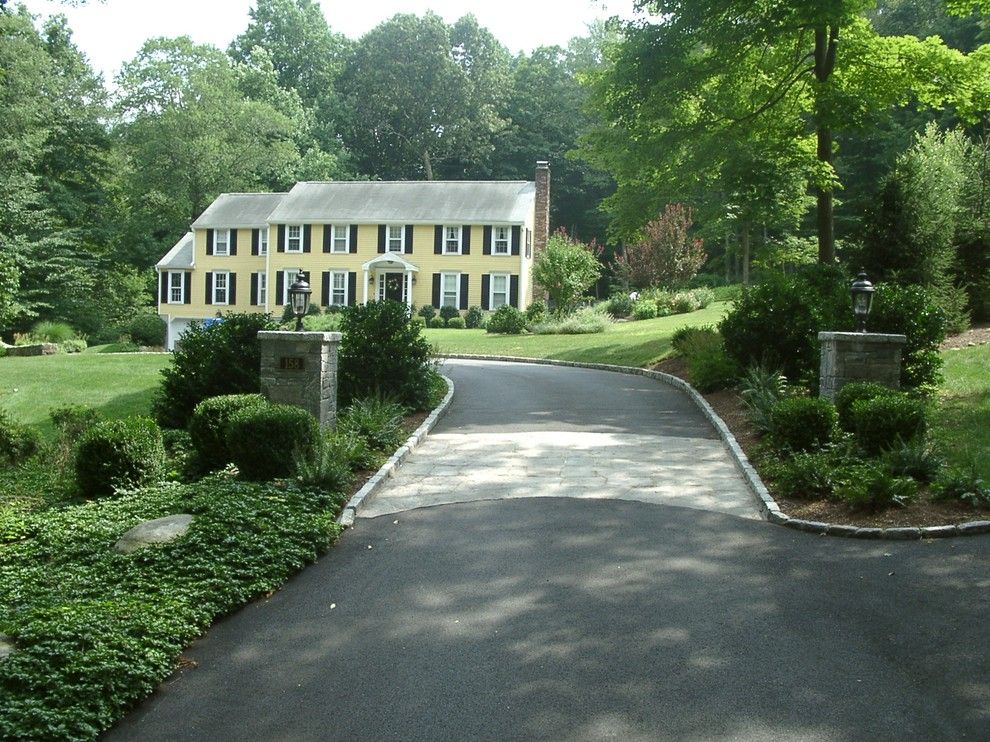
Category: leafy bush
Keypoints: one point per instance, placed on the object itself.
(51, 332)
(448, 313)
(418, 321)
(703, 297)
(71, 421)
(181, 461)
(17, 442)
(115, 454)
(536, 312)
(852, 393)
(73, 346)
(911, 311)
(267, 440)
(349, 447)
(584, 321)
(620, 305)
(684, 302)
(777, 322)
(474, 318)
(711, 368)
(915, 459)
(384, 353)
(962, 483)
(506, 320)
(870, 487)
(456, 323)
(437, 322)
(644, 309)
(761, 388)
(565, 268)
(686, 339)
(880, 423)
(208, 427)
(329, 322)
(224, 358)
(807, 475)
(376, 420)
(125, 346)
(147, 329)
(427, 312)
(324, 469)
(802, 423)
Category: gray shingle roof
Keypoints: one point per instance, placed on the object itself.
(424, 202)
(180, 257)
(246, 210)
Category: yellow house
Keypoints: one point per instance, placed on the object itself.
(444, 243)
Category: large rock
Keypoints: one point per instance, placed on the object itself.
(158, 531)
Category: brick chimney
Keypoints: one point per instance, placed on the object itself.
(541, 225)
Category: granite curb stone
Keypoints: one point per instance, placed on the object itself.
(348, 514)
(769, 508)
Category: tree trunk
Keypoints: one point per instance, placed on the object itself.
(826, 225)
(745, 244)
(427, 165)
(728, 261)
(826, 45)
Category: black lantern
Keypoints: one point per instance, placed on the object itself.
(299, 293)
(862, 299)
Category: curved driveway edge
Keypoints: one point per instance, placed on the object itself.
(346, 517)
(769, 509)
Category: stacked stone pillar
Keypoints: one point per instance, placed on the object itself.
(300, 368)
(859, 356)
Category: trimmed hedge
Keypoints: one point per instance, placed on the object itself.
(121, 453)
(506, 320)
(880, 423)
(852, 393)
(802, 423)
(208, 427)
(266, 440)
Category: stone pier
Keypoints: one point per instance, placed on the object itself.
(859, 356)
(300, 368)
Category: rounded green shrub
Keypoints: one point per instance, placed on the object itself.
(267, 440)
(806, 476)
(620, 305)
(448, 313)
(913, 312)
(644, 309)
(427, 312)
(880, 423)
(147, 329)
(208, 427)
(17, 442)
(474, 318)
(536, 311)
(437, 322)
(711, 368)
(852, 393)
(456, 323)
(802, 423)
(119, 453)
(506, 320)
(684, 302)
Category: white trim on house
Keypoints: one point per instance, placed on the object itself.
(453, 237)
(171, 287)
(217, 233)
(445, 292)
(391, 239)
(217, 288)
(343, 289)
(504, 238)
(289, 238)
(507, 290)
(335, 239)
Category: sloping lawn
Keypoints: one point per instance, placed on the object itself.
(961, 423)
(116, 385)
(639, 343)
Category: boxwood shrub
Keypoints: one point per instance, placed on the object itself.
(266, 440)
(802, 423)
(122, 453)
(506, 320)
(852, 393)
(474, 318)
(208, 427)
(880, 423)
(456, 323)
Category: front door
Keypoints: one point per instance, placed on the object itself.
(395, 287)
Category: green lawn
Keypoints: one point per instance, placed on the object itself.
(624, 343)
(962, 421)
(116, 385)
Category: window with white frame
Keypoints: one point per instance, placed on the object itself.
(293, 238)
(340, 237)
(452, 240)
(450, 290)
(263, 241)
(290, 278)
(499, 290)
(500, 241)
(338, 288)
(262, 288)
(221, 282)
(221, 242)
(176, 287)
(396, 238)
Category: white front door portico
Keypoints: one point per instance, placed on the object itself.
(390, 276)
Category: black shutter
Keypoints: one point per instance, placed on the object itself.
(325, 293)
(351, 288)
(409, 239)
(486, 291)
(466, 239)
(163, 287)
(515, 240)
(436, 290)
(381, 238)
(187, 294)
(514, 291)
(255, 241)
(279, 287)
(464, 291)
(281, 238)
(354, 233)
(232, 245)
(254, 289)
(209, 288)
(327, 237)
(486, 248)
(209, 242)
(232, 288)
(438, 240)
(307, 237)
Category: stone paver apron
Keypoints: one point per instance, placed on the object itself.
(458, 465)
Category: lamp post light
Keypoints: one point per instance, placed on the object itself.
(299, 293)
(862, 299)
